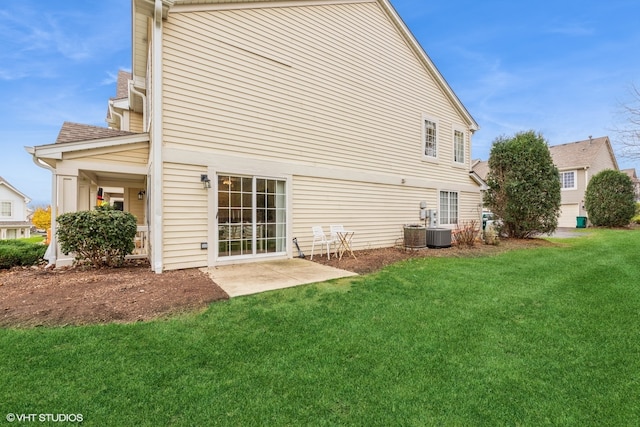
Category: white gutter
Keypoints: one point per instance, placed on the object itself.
(481, 182)
(133, 89)
(113, 112)
(156, 140)
(52, 250)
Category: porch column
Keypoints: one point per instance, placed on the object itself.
(67, 193)
(84, 195)
(67, 201)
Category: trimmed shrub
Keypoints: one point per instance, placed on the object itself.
(19, 252)
(100, 237)
(524, 186)
(609, 200)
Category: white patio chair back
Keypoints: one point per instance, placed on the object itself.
(321, 238)
(335, 228)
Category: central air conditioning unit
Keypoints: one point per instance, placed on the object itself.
(438, 238)
(414, 236)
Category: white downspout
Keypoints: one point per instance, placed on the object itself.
(52, 250)
(113, 112)
(133, 89)
(156, 139)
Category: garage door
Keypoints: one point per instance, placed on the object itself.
(568, 214)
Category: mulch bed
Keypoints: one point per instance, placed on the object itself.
(36, 296)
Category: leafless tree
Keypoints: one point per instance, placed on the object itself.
(629, 131)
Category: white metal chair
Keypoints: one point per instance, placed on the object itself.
(321, 238)
(334, 229)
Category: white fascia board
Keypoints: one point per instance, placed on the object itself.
(208, 7)
(55, 151)
(123, 103)
(481, 182)
(15, 190)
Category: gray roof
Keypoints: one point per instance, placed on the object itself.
(122, 86)
(581, 153)
(565, 156)
(631, 173)
(74, 132)
(481, 168)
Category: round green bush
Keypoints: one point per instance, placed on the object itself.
(101, 237)
(609, 199)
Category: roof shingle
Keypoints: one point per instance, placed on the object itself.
(73, 132)
(565, 156)
(577, 154)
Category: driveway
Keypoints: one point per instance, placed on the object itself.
(565, 233)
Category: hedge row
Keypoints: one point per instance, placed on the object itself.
(20, 253)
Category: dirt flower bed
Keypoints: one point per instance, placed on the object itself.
(36, 296)
(368, 261)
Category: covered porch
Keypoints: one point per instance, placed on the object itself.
(86, 173)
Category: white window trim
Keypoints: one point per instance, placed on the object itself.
(10, 209)
(423, 141)
(465, 153)
(214, 256)
(440, 224)
(575, 180)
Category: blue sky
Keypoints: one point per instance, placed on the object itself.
(559, 67)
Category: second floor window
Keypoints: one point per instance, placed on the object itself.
(430, 141)
(568, 180)
(5, 209)
(458, 146)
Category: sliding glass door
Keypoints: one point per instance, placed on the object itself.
(251, 216)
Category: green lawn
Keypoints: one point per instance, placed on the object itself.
(36, 238)
(547, 336)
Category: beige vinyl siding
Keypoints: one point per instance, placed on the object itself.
(325, 85)
(114, 155)
(185, 216)
(602, 161)
(141, 46)
(135, 206)
(135, 123)
(469, 206)
(571, 197)
(376, 212)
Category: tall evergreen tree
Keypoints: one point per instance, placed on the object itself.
(524, 185)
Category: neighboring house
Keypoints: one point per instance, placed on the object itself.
(14, 214)
(244, 124)
(631, 173)
(577, 162)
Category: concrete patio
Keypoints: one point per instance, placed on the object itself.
(252, 278)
